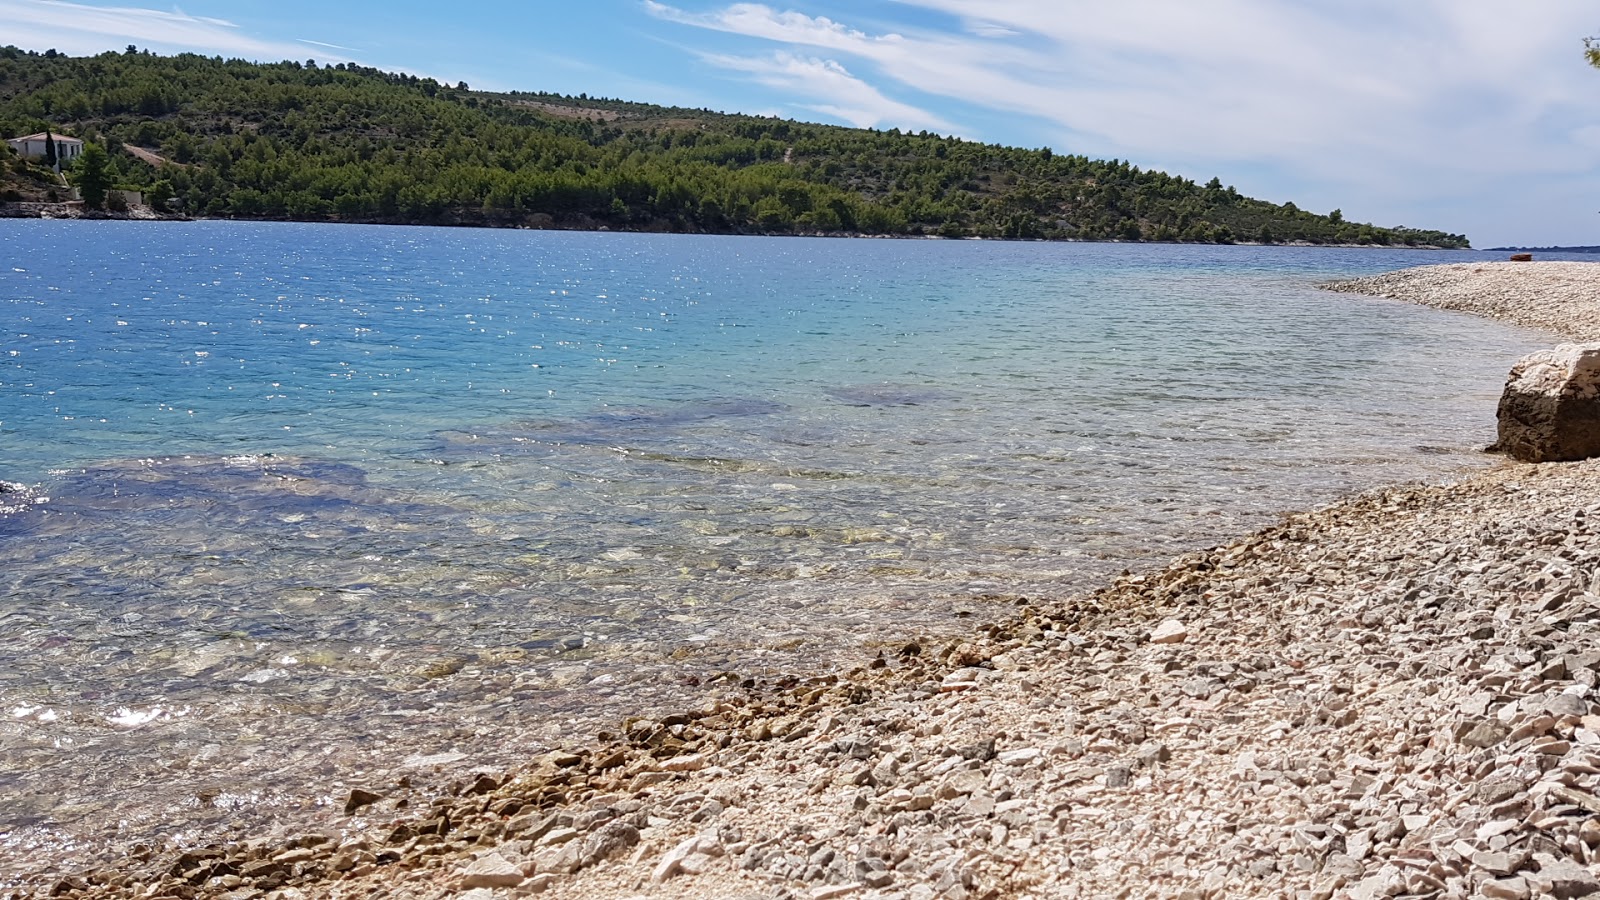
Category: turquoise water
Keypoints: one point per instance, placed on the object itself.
(305, 501)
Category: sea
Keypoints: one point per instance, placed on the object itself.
(297, 508)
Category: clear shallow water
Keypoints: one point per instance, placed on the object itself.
(325, 500)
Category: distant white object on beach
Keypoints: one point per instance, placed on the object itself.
(1550, 411)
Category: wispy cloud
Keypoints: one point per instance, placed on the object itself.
(831, 90)
(990, 29)
(78, 29)
(821, 85)
(328, 45)
(756, 20)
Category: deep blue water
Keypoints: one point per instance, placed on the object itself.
(327, 497)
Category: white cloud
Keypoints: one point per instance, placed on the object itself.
(826, 85)
(1387, 109)
(328, 45)
(831, 90)
(756, 20)
(990, 30)
(81, 29)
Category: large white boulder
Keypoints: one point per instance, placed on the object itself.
(1550, 410)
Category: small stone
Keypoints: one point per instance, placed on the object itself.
(564, 859)
(1019, 757)
(556, 836)
(1496, 827)
(1497, 790)
(1478, 704)
(671, 863)
(1153, 753)
(980, 805)
(611, 839)
(360, 799)
(873, 872)
(295, 857)
(531, 826)
(1567, 705)
(1503, 863)
(691, 763)
(1485, 735)
(1118, 776)
(695, 863)
(1201, 687)
(962, 782)
(1505, 889)
(1170, 631)
(1565, 879)
(1344, 866)
(883, 774)
(966, 655)
(1552, 747)
(1589, 831)
(490, 871)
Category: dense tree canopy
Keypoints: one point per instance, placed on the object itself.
(301, 141)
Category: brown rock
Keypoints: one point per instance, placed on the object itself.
(610, 840)
(359, 799)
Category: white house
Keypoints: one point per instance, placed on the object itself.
(32, 146)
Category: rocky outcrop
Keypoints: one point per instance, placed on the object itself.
(1550, 410)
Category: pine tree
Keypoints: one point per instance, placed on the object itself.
(50, 150)
(92, 177)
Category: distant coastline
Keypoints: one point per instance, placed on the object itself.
(304, 142)
(1544, 250)
(69, 211)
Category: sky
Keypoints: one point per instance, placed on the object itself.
(1469, 116)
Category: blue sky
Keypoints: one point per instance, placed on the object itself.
(1473, 116)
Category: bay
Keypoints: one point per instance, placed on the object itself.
(306, 502)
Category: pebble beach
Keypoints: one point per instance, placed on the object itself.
(1556, 296)
(1391, 696)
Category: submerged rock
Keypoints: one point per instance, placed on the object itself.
(1550, 410)
(15, 497)
(887, 395)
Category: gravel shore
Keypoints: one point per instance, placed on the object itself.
(1391, 696)
(1562, 297)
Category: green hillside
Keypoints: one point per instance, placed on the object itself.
(343, 143)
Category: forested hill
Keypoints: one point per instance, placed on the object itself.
(302, 141)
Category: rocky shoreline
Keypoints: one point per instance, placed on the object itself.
(19, 209)
(1394, 695)
(1561, 297)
